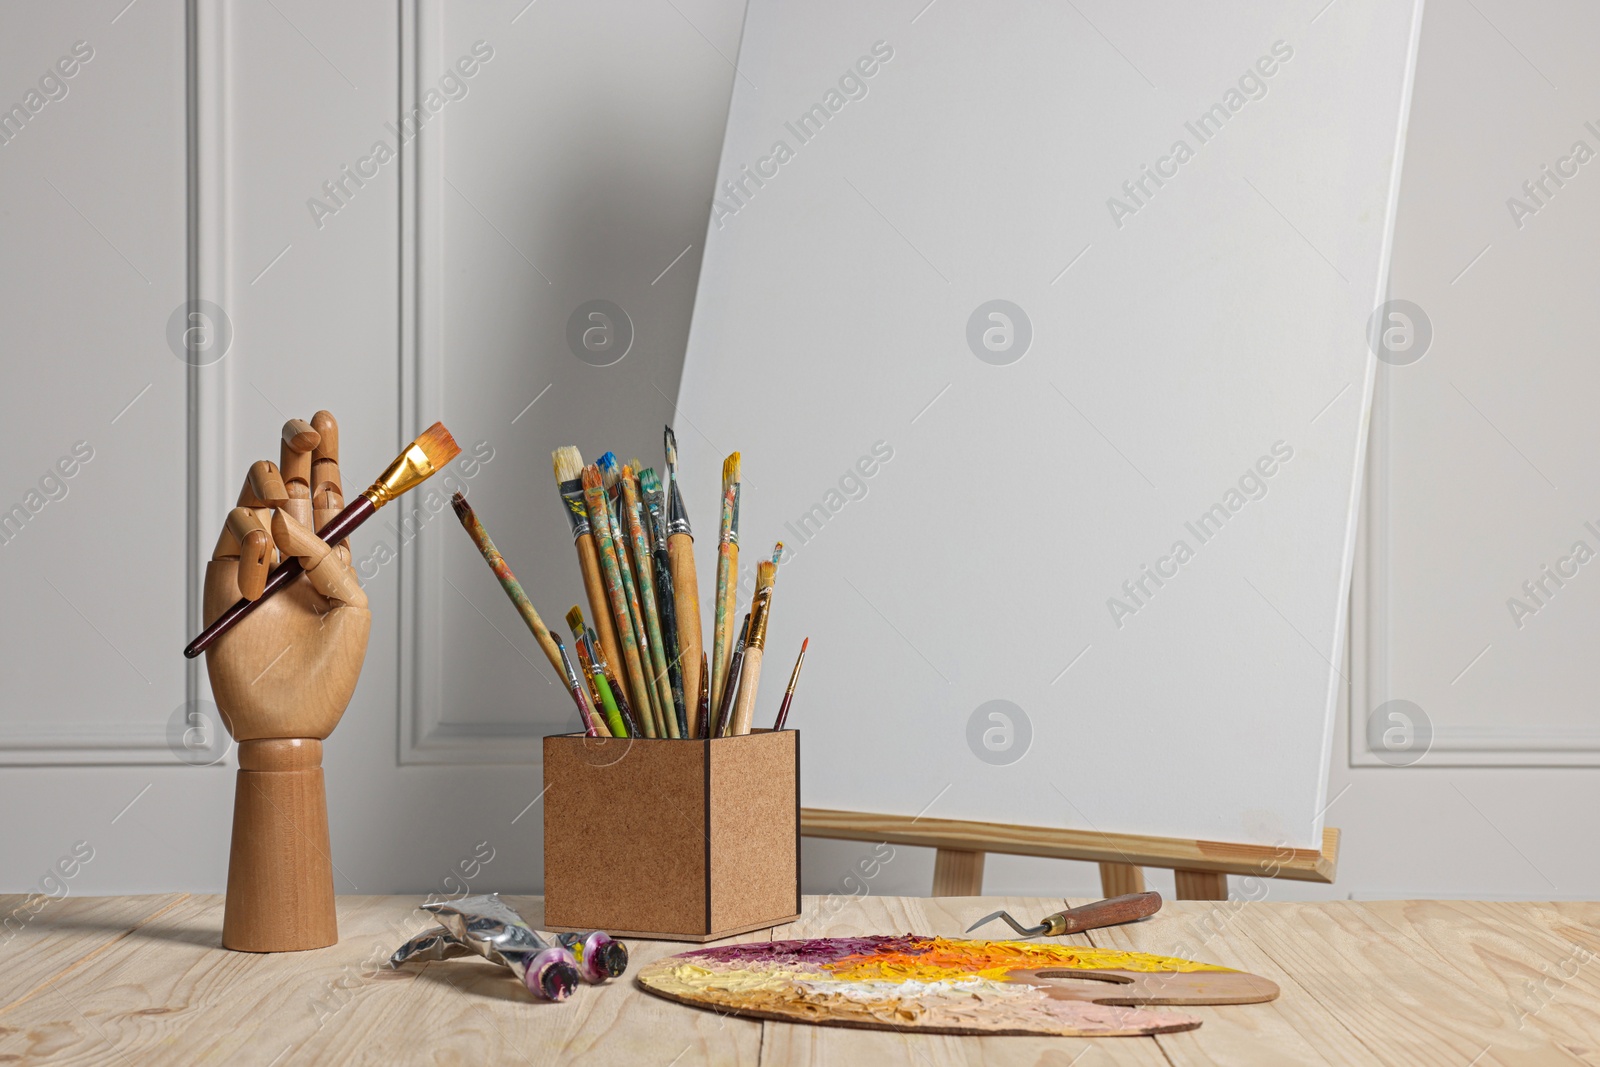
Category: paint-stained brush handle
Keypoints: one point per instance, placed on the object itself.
(1110, 912)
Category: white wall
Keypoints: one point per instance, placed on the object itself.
(587, 147)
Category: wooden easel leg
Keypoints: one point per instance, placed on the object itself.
(1201, 885)
(957, 873)
(1120, 879)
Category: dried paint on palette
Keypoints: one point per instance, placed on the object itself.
(953, 986)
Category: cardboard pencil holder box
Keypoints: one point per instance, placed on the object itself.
(676, 840)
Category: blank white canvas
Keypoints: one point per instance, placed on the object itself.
(1177, 340)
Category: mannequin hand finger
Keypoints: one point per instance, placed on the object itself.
(263, 486)
(245, 538)
(294, 463)
(335, 579)
(327, 492)
(330, 574)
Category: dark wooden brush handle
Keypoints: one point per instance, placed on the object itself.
(1109, 912)
(337, 529)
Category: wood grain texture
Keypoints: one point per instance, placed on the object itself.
(280, 863)
(594, 589)
(1294, 1029)
(1201, 885)
(141, 980)
(43, 939)
(686, 596)
(1117, 879)
(957, 873)
(1261, 861)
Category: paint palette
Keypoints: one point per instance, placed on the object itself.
(942, 986)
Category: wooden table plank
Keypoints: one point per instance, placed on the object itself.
(64, 934)
(1546, 980)
(143, 979)
(176, 989)
(471, 1012)
(1297, 1028)
(1374, 971)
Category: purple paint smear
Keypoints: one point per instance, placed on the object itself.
(813, 950)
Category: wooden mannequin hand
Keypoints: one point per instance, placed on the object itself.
(287, 670)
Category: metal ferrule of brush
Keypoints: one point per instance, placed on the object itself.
(408, 471)
(677, 517)
(733, 527)
(577, 512)
(758, 620)
(655, 523)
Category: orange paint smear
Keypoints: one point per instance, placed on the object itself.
(945, 959)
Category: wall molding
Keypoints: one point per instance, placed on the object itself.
(424, 735)
(1522, 744)
(115, 741)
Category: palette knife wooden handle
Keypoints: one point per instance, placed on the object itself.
(1110, 912)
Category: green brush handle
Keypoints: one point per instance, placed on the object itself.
(613, 714)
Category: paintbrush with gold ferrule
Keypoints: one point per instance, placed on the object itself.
(755, 647)
(421, 460)
(722, 637)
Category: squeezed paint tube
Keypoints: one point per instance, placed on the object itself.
(486, 926)
(598, 956)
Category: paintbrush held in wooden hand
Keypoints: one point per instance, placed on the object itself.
(727, 578)
(421, 460)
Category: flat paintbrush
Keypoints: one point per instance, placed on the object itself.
(754, 648)
(567, 462)
(422, 459)
(685, 589)
(727, 578)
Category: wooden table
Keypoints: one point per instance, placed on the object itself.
(142, 980)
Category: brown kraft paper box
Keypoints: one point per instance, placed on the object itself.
(676, 840)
